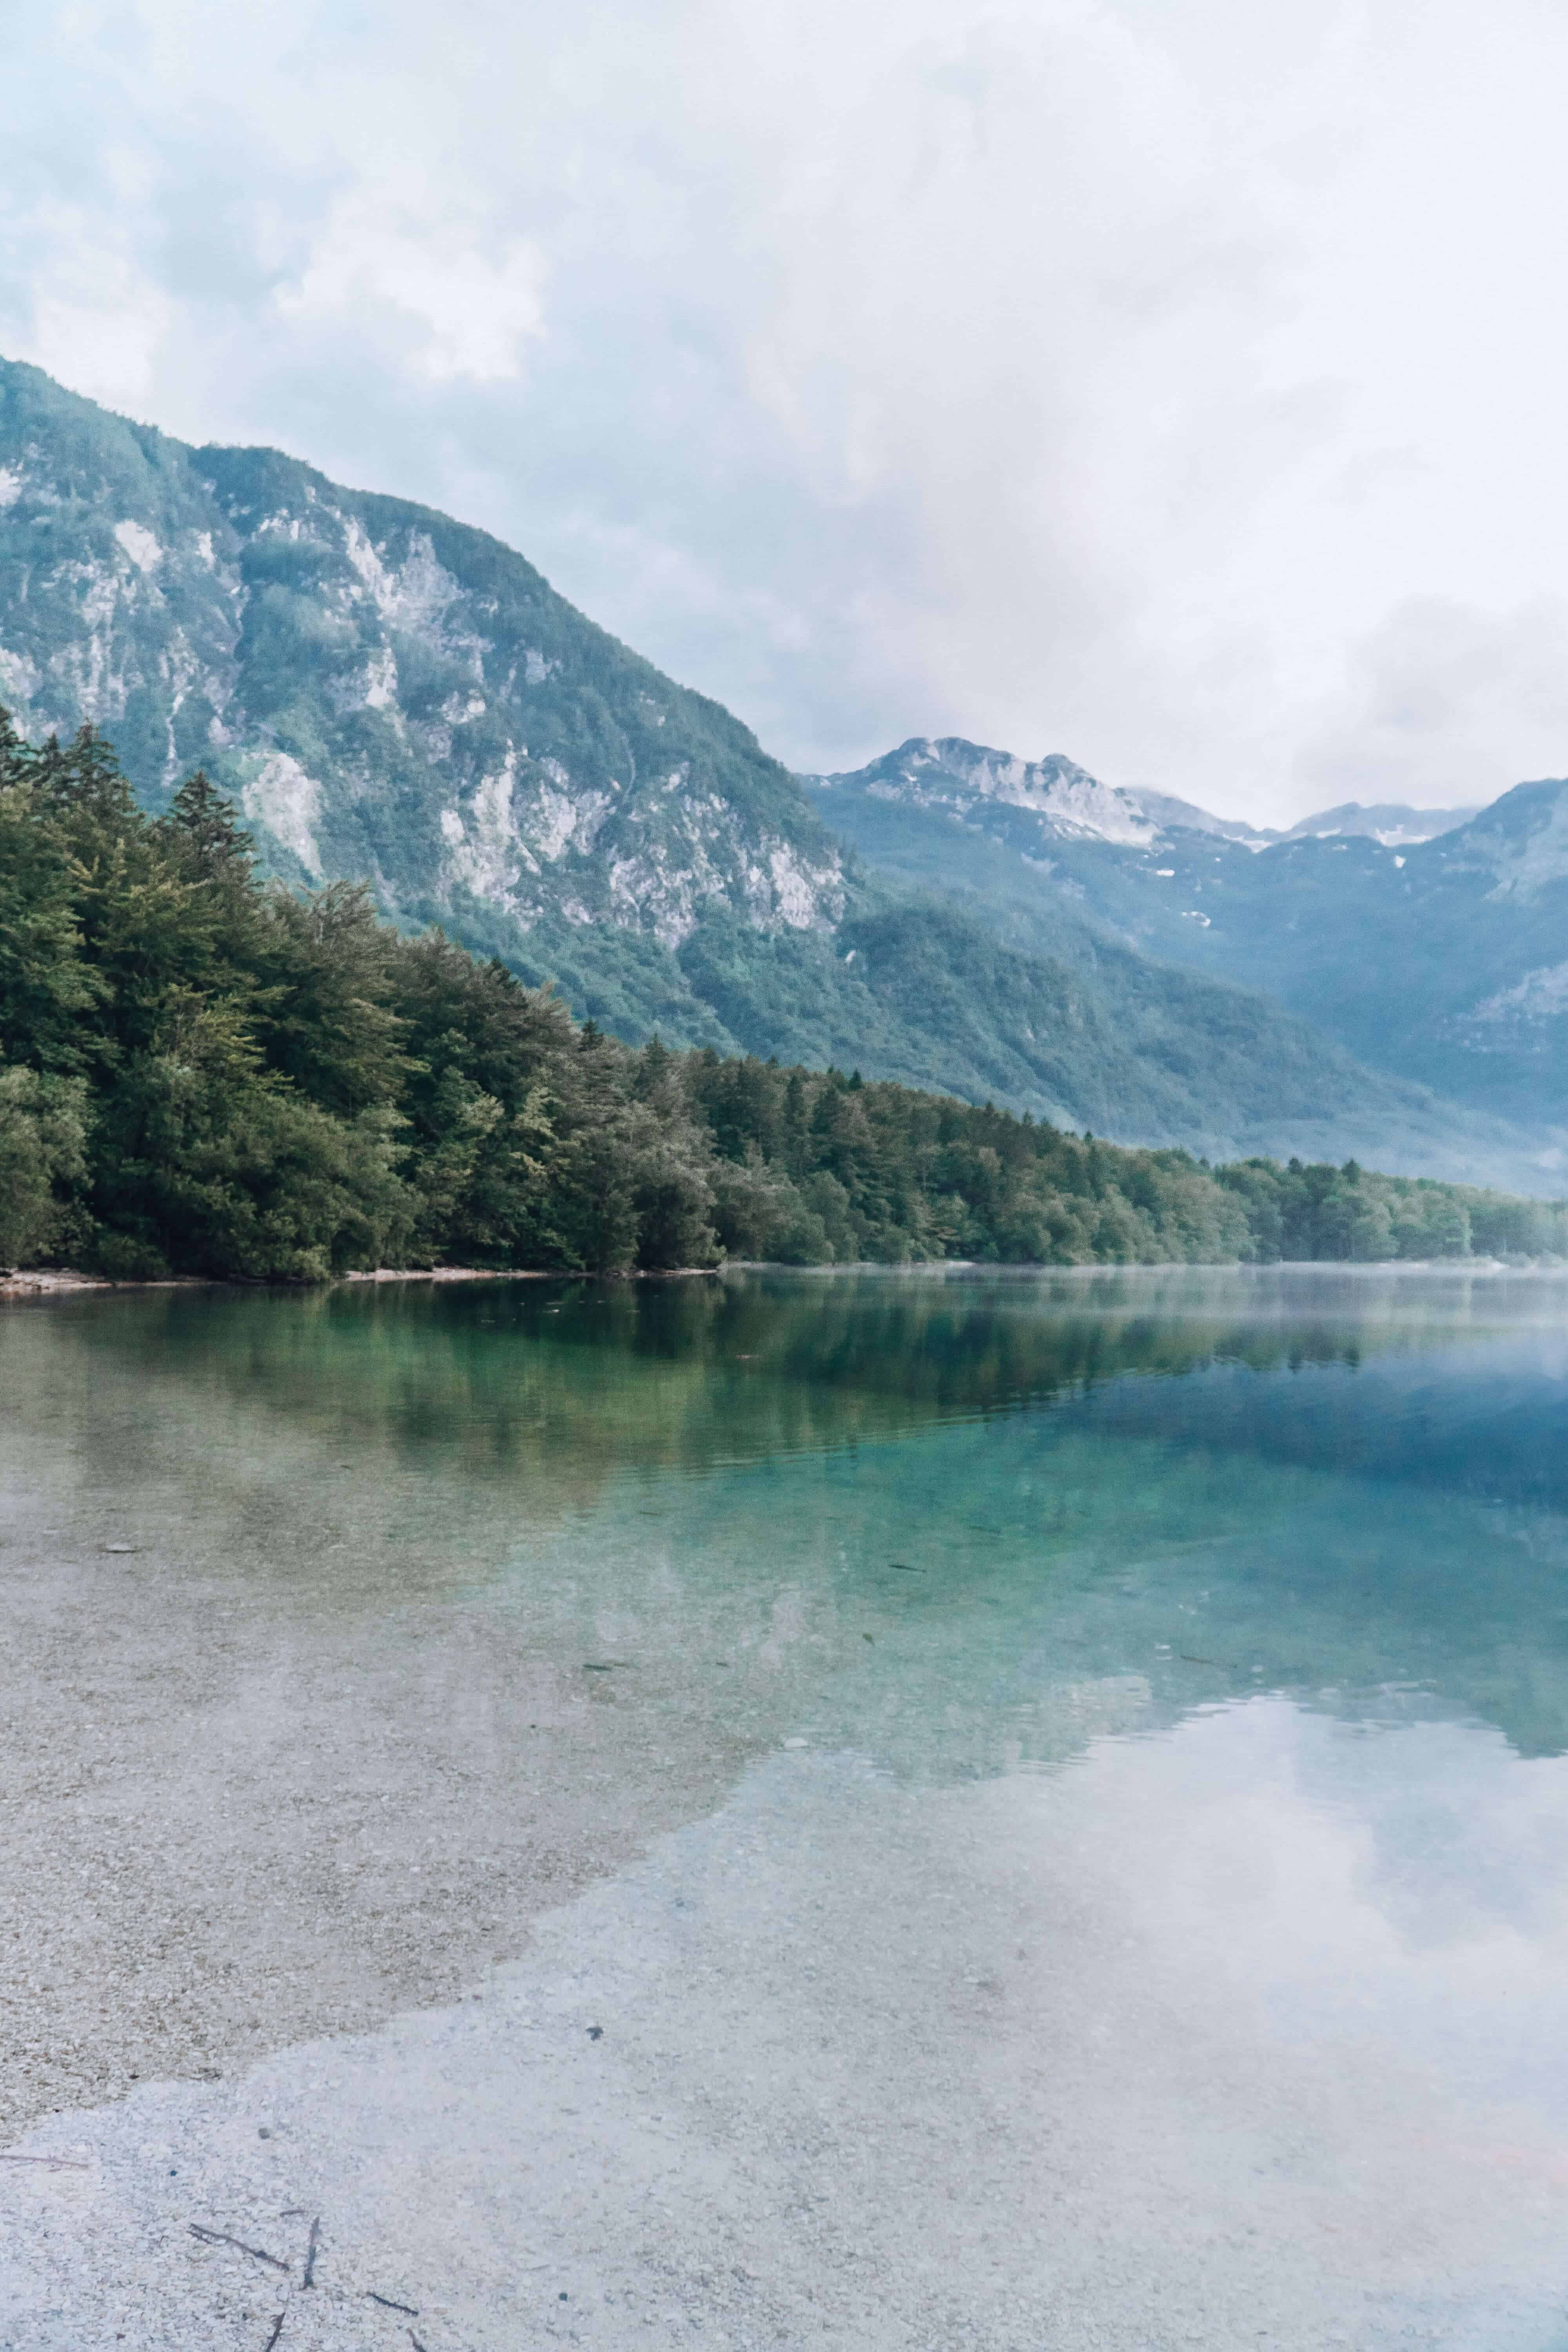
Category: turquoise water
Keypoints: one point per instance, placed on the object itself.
(1346, 1489)
(1121, 1721)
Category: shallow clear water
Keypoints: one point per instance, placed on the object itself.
(1061, 1783)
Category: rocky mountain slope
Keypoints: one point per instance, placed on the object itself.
(386, 692)
(393, 695)
(1438, 954)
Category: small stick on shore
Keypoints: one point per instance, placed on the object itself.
(410, 2309)
(222, 2238)
(311, 2251)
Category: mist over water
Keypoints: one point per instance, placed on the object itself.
(1051, 1786)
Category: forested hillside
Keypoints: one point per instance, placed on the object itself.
(205, 1071)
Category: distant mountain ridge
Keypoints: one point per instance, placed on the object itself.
(951, 773)
(947, 772)
(1389, 822)
(1441, 955)
(393, 695)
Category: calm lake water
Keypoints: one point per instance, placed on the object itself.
(857, 1809)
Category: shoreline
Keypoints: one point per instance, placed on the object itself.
(52, 1281)
(57, 1282)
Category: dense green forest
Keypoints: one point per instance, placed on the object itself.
(203, 1072)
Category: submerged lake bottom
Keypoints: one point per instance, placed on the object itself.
(831, 1809)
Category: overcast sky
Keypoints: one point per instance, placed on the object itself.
(1176, 384)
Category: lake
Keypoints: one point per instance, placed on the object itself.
(906, 1809)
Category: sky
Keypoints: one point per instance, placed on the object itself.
(1176, 386)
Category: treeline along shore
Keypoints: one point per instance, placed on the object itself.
(204, 1073)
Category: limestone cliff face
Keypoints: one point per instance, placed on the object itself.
(387, 692)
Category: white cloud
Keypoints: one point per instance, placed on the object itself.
(1442, 697)
(95, 315)
(444, 307)
(1087, 375)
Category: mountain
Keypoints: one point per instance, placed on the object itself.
(947, 773)
(1443, 959)
(393, 696)
(385, 692)
(1387, 822)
